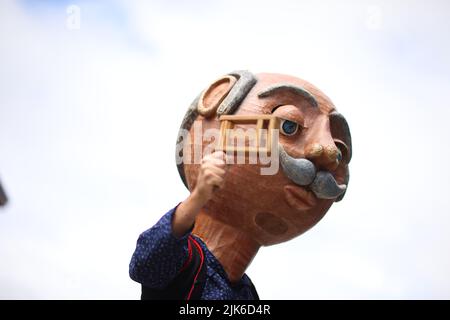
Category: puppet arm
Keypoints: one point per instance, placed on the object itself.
(209, 179)
(162, 250)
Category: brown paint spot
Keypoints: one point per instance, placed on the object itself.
(271, 223)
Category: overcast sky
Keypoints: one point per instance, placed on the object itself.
(90, 108)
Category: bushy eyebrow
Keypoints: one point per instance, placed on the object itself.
(339, 127)
(290, 88)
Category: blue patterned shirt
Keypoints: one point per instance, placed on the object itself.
(159, 256)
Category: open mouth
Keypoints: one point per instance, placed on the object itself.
(299, 198)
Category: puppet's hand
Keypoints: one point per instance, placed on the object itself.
(211, 176)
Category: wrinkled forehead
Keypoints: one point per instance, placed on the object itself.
(270, 86)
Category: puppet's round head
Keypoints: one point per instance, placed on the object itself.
(291, 175)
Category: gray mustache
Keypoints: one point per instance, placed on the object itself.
(303, 172)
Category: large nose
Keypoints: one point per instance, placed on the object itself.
(320, 147)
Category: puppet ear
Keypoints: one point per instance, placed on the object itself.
(212, 97)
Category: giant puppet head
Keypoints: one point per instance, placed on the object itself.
(313, 147)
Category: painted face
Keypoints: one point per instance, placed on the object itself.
(314, 147)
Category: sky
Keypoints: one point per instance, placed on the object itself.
(91, 97)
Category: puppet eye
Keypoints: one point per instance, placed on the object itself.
(288, 127)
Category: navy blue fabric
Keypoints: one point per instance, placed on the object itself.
(159, 256)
